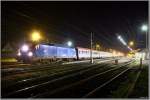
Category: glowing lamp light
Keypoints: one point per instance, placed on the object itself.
(19, 54)
(114, 53)
(25, 48)
(119, 37)
(69, 43)
(129, 48)
(30, 54)
(121, 40)
(35, 36)
(144, 28)
(140, 55)
(131, 43)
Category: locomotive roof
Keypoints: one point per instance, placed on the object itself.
(53, 44)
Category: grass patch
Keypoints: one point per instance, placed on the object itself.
(5, 60)
(123, 89)
(141, 86)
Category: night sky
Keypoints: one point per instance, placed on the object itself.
(63, 21)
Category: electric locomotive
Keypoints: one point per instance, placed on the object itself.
(45, 52)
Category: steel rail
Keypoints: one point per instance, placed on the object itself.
(37, 67)
(104, 84)
(79, 82)
(62, 71)
(68, 69)
(52, 81)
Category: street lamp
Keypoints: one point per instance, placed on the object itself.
(145, 29)
(131, 43)
(129, 48)
(35, 36)
(123, 42)
(69, 43)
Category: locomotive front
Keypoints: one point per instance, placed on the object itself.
(25, 53)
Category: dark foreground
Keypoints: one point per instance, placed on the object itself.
(102, 79)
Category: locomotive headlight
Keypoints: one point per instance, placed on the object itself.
(25, 48)
(30, 54)
(19, 54)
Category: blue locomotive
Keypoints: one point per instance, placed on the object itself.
(45, 52)
(52, 52)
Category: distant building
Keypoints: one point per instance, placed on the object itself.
(8, 51)
(142, 54)
(7, 48)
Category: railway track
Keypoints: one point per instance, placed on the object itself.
(36, 89)
(51, 72)
(85, 87)
(52, 78)
(35, 68)
(59, 73)
(105, 83)
(121, 86)
(14, 65)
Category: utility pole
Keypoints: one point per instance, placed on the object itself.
(148, 41)
(147, 48)
(91, 49)
(147, 45)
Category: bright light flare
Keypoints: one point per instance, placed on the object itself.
(121, 40)
(35, 36)
(19, 54)
(30, 54)
(25, 48)
(131, 43)
(114, 53)
(144, 28)
(69, 43)
(140, 55)
(130, 48)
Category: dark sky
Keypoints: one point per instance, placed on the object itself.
(63, 21)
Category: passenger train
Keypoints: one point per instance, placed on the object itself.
(52, 52)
